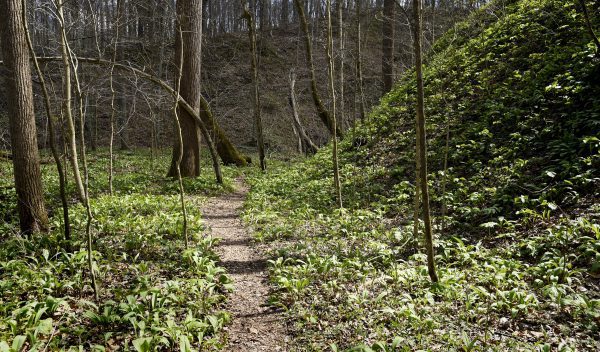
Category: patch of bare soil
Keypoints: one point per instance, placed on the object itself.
(255, 326)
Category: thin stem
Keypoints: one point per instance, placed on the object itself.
(336, 167)
(180, 140)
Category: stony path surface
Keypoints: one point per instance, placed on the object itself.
(255, 326)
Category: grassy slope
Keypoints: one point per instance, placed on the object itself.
(516, 88)
(154, 294)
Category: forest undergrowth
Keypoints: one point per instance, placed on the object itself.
(154, 293)
(512, 101)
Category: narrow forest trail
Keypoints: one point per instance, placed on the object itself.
(255, 326)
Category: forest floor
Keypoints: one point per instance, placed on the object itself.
(255, 325)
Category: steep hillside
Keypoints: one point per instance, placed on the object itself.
(513, 109)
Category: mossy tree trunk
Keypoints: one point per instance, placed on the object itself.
(228, 153)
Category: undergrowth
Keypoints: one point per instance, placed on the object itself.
(154, 293)
(514, 93)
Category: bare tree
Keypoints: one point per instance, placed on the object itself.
(340, 13)
(336, 168)
(387, 55)
(183, 104)
(113, 109)
(359, 73)
(256, 97)
(421, 140)
(53, 147)
(180, 140)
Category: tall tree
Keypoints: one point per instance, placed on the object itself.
(189, 19)
(340, 13)
(387, 54)
(359, 75)
(256, 96)
(421, 139)
(52, 134)
(26, 159)
(336, 169)
(117, 50)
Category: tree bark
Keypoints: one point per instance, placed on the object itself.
(52, 137)
(26, 159)
(113, 110)
(189, 19)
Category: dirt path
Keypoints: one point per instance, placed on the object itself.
(255, 326)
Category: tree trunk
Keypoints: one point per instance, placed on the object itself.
(67, 106)
(323, 113)
(359, 76)
(336, 169)
(307, 144)
(421, 140)
(52, 137)
(26, 159)
(256, 96)
(113, 110)
(387, 54)
(180, 140)
(226, 150)
(189, 19)
(588, 25)
(342, 53)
